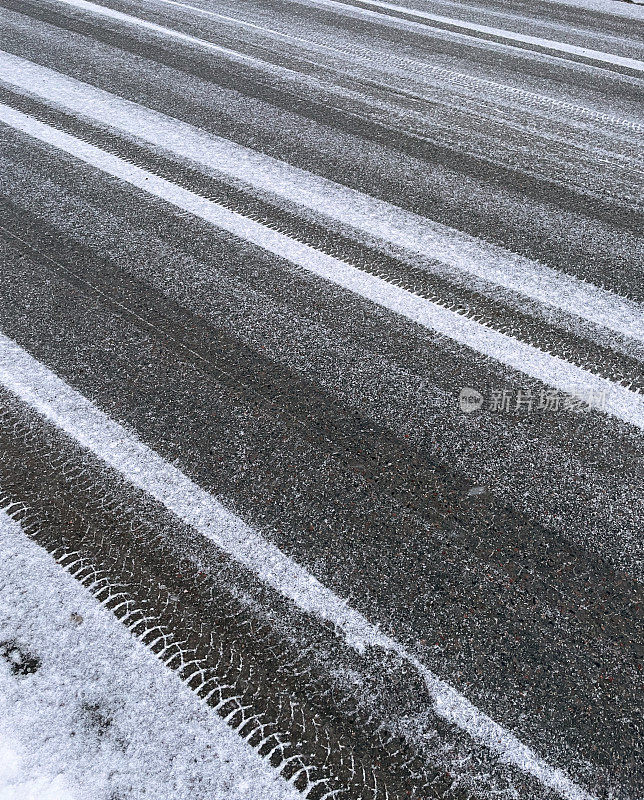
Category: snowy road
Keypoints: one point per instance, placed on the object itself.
(322, 368)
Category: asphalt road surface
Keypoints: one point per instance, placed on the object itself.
(322, 366)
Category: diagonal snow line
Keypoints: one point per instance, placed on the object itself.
(153, 27)
(34, 384)
(51, 397)
(378, 8)
(206, 12)
(376, 218)
(556, 372)
(424, 66)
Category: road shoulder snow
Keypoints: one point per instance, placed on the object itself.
(86, 711)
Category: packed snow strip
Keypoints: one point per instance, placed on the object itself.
(556, 372)
(378, 8)
(378, 219)
(101, 716)
(79, 418)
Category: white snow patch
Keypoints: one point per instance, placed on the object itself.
(102, 718)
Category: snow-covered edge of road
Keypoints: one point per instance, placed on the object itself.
(102, 716)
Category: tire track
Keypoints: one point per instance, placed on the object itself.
(326, 109)
(420, 70)
(526, 227)
(319, 740)
(570, 340)
(277, 478)
(382, 11)
(614, 399)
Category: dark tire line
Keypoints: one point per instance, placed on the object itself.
(433, 43)
(524, 227)
(543, 49)
(246, 375)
